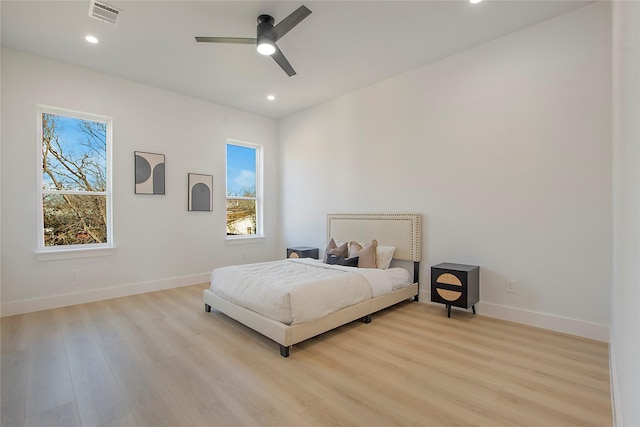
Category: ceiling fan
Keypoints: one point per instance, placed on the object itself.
(267, 36)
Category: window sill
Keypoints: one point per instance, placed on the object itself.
(58, 254)
(244, 240)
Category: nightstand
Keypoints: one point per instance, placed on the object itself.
(303, 252)
(455, 285)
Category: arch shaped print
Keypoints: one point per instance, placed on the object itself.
(200, 192)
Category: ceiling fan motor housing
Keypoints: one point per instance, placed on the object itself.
(265, 26)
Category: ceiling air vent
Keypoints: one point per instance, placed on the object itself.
(103, 12)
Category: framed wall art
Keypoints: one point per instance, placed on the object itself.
(149, 171)
(200, 192)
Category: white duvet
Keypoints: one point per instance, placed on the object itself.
(302, 290)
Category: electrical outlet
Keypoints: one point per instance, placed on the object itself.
(511, 286)
(75, 274)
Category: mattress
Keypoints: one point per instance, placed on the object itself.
(302, 290)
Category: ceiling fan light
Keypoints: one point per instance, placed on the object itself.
(266, 47)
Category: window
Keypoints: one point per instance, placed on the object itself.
(75, 180)
(244, 178)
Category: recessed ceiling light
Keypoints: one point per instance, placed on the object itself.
(474, 1)
(91, 39)
(271, 97)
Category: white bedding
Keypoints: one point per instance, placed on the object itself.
(302, 290)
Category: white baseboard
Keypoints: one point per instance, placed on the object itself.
(613, 375)
(56, 301)
(552, 322)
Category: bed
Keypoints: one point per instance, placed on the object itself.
(357, 301)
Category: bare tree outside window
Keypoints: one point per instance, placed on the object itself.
(74, 180)
(241, 214)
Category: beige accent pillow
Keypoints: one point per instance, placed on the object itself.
(334, 249)
(366, 255)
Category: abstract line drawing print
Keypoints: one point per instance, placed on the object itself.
(149, 170)
(200, 192)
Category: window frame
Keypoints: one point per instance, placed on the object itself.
(259, 199)
(75, 250)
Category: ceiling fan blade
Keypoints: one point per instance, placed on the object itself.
(278, 56)
(284, 26)
(235, 40)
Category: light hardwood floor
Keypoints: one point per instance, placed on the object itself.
(158, 359)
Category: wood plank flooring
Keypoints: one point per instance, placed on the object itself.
(158, 359)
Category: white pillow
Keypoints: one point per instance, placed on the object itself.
(384, 255)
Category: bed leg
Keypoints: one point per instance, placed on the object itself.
(207, 308)
(367, 318)
(415, 298)
(284, 351)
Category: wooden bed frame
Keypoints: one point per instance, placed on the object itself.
(400, 230)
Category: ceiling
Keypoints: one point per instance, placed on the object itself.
(341, 47)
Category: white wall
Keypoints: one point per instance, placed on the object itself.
(625, 316)
(159, 243)
(505, 149)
